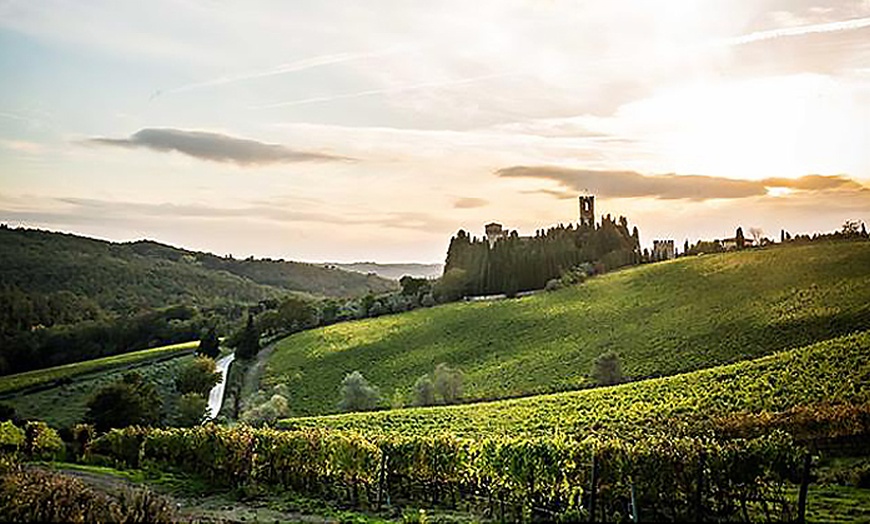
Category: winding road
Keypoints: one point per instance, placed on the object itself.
(216, 395)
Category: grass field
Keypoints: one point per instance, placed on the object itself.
(30, 379)
(835, 371)
(662, 319)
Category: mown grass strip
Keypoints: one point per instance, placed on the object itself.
(39, 377)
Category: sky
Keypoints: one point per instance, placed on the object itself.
(373, 131)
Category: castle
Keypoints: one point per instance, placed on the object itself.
(495, 232)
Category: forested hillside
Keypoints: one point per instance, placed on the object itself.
(127, 277)
(660, 319)
(66, 298)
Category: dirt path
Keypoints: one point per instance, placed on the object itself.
(251, 382)
(203, 507)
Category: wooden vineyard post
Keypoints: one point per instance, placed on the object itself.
(805, 484)
(634, 511)
(593, 489)
(699, 491)
(382, 477)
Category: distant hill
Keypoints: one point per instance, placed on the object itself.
(393, 271)
(661, 319)
(127, 277)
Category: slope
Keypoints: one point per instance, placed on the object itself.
(831, 372)
(662, 319)
(124, 278)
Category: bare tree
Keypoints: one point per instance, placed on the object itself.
(757, 234)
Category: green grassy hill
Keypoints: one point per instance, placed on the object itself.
(662, 319)
(832, 372)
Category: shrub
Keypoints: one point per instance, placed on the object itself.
(607, 370)
(199, 376)
(357, 394)
(448, 383)
(424, 391)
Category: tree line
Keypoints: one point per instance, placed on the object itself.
(514, 263)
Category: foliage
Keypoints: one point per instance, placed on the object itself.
(68, 372)
(357, 394)
(663, 319)
(517, 263)
(130, 401)
(40, 347)
(268, 412)
(452, 286)
(209, 346)
(65, 298)
(191, 409)
(447, 383)
(11, 437)
(198, 376)
(41, 442)
(248, 341)
(424, 391)
(63, 404)
(37, 495)
(831, 372)
(549, 472)
(606, 370)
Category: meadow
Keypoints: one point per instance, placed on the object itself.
(661, 319)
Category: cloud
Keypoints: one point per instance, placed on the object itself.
(291, 67)
(387, 91)
(629, 184)
(215, 147)
(75, 210)
(469, 203)
(829, 27)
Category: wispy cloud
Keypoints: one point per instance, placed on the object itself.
(629, 184)
(469, 203)
(386, 91)
(215, 147)
(73, 210)
(829, 27)
(290, 67)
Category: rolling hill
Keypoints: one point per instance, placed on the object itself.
(126, 277)
(662, 319)
(834, 372)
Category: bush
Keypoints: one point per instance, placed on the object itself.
(448, 383)
(36, 495)
(357, 394)
(607, 370)
(199, 376)
(130, 401)
(553, 284)
(42, 442)
(424, 391)
(209, 346)
(191, 410)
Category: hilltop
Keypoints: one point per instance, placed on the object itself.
(125, 277)
(662, 319)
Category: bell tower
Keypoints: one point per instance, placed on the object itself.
(587, 210)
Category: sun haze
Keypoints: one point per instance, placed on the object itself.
(345, 131)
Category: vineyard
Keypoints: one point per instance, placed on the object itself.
(724, 444)
(662, 319)
(829, 373)
(511, 479)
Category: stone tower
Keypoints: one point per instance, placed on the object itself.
(587, 210)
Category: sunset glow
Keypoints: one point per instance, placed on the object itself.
(342, 131)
